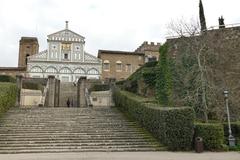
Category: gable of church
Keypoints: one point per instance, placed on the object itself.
(66, 35)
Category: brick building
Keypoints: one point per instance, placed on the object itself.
(150, 50)
(119, 64)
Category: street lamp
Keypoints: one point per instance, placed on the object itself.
(231, 139)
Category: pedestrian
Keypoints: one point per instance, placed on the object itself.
(68, 102)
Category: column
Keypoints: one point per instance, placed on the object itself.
(19, 87)
(81, 99)
(57, 89)
(51, 91)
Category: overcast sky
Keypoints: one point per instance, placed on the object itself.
(106, 24)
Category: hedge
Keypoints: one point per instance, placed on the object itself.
(8, 92)
(147, 73)
(212, 135)
(235, 126)
(32, 86)
(100, 87)
(6, 78)
(173, 127)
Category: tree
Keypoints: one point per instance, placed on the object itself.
(206, 63)
(190, 76)
(202, 17)
(163, 78)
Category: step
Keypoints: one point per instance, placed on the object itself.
(129, 149)
(77, 141)
(50, 130)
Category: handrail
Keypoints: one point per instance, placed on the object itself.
(87, 98)
(44, 95)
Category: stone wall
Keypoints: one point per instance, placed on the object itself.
(149, 49)
(13, 71)
(222, 59)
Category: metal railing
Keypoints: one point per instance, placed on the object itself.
(87, 98)
(44, 95)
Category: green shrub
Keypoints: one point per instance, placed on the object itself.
(171, 126)
(100, 87)
(149, 76)
(8, 92)
(212, 134)
(235, 126)
(147, 72)
(164, 83)
(6, 78)
(32, 86)
(150, 64)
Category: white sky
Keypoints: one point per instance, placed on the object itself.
(106, 24)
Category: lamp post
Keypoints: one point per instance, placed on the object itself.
(231, 139)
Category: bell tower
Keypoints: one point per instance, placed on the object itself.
(27, 46)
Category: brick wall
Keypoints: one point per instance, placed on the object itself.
(222, 62)
(27, 47)
(135, 60)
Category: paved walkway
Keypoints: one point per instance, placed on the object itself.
(125, 156)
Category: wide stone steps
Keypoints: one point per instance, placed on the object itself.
(58, 140)
(41, 130)
(71, 149)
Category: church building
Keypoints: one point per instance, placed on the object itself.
(65, 58)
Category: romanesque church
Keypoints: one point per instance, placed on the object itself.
(65, 58)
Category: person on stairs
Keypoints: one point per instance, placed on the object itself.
(68, 103)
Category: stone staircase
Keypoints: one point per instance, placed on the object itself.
(39, 130)
(68, 90)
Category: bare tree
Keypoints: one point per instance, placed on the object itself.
(211, 70)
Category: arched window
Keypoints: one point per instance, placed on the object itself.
(36, 69)
(93, 71)
(118, 66)
(26, 58)
(65, 70)
(106, 65)
(79, 71)
(51, 70)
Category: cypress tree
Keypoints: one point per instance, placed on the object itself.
(202, 17)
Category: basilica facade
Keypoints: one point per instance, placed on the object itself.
(65, 58)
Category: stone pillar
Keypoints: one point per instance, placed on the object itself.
(19, 87)
(58, 102)
(57, 89)
(81, 85)
(51, 91)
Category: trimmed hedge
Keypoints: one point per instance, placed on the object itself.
(235, 126)
(6, 78)
(147, 72)
(32, 86)
(8, 92)
(100, 87)
(212, 134)
(171, 126)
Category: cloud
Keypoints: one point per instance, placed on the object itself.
(106, 24)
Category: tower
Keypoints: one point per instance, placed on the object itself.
(27, 46)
